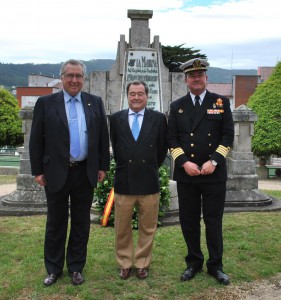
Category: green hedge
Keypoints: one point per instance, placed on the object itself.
(102, 191)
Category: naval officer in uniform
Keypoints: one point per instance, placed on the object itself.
(200, 134)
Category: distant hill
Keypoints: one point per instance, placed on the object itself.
(218, 75)
(17, 74)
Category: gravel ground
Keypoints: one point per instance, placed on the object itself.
(270, 184)
(269, 289)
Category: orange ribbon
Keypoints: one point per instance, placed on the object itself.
(107, 208)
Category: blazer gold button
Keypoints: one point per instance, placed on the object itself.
(210, 145)
(192, 155)
(209, 134)
(192, 145)
(191, 134)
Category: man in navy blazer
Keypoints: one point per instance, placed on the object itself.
(136, 178)
(69, 179)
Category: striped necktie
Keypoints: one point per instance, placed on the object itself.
(74, 130)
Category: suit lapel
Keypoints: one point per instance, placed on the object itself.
(60, 107)
(86, 101)
(147, 124)
(202, 111)
(124, 123)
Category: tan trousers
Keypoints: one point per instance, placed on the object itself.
(148, 207)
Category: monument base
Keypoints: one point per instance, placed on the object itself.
(28, 199)
(236, 201)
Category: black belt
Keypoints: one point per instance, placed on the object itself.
(74, 164)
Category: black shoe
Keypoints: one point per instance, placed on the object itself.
(220, 276)
(51, 279)
(189, 273)
(76, 278)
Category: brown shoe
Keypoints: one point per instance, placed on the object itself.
(124, 273)
(142, 273)
(76, 278)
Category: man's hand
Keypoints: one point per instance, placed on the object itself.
(191, 168)
(207, 168)
(40, 179)
(101, 176)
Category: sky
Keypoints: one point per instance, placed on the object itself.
(233, 34)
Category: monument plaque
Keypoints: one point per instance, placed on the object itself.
(143, 65)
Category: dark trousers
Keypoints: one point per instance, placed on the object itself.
(75, 198)
(207, 199)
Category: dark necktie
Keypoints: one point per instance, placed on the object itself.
(74, 130)
(136, 127)
(197, 103)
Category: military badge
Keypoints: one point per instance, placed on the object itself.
(219, 103)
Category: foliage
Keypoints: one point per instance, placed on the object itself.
(266, 103)
(102, 191)
(174, 56)
(10, 122)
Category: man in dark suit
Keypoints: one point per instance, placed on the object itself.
(69, 153)
(138, 158)
(200, 134)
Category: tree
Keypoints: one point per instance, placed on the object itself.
(266, 103)
(174, 56)
(10, 122)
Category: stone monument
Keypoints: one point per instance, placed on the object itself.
(242, 183)
(29, 198)
(138, 59)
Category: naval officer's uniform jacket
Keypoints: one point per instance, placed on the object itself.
(207, 135)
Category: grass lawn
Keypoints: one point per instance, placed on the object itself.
(251, 251)
(7, 179)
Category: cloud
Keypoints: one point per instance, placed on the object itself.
(242, 34)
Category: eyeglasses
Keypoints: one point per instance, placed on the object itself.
(71, 76)
(140, 94)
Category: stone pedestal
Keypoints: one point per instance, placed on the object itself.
(242, 183)
(29, 198)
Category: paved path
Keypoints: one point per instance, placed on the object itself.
(270, 184)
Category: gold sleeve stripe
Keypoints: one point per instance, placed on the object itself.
(176, 152)
(222, 150)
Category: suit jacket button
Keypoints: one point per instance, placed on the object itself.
(192, 155)
(192, 145)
